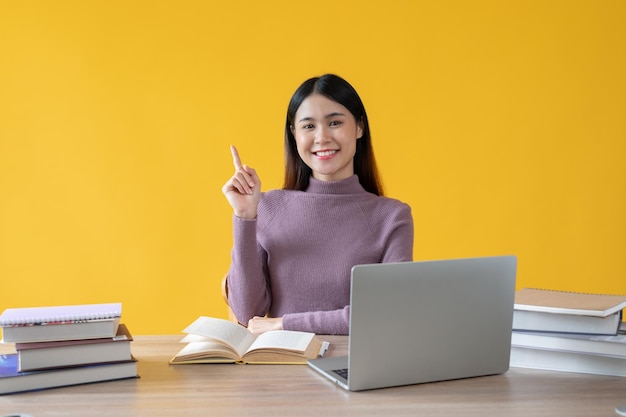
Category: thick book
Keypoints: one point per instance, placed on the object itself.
(46, 324)
(536, 321)
(212, 340)
(45, 355)
(589, 344)
(551, 360)
(12, 381)
(539, 310)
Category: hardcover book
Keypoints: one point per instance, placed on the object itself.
(580, 343)
(524, 357)
(568, 302)
(539, 310)
(45, 355)
(13, 381)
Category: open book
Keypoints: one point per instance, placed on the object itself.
(212, 340)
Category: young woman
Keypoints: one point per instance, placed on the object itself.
(294, 248)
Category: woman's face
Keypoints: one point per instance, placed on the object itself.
(326, 134)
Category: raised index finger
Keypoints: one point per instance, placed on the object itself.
(236, 159)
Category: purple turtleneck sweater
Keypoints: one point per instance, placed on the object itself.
(294, 259)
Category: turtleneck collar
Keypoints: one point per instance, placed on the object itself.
(350, 185)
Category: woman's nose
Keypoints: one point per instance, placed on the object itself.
(322, 135)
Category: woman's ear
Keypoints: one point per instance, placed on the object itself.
(359, 129)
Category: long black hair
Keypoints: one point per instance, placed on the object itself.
(335, 88)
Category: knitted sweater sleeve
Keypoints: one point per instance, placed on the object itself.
(248, 291)
(398, 243)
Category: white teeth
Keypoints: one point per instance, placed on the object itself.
(325, 153)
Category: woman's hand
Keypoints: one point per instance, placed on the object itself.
(243, 189)
(258, 325)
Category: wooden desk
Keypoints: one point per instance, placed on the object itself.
(296, 390)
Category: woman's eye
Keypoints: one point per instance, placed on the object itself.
(307, 127)
(335, 123)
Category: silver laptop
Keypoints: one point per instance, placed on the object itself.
(416, 322)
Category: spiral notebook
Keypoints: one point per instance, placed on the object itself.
(70, 322)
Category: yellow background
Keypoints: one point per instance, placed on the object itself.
(502, 123)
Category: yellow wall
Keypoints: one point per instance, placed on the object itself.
(502, 123)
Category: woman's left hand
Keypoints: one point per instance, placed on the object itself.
(258, 325)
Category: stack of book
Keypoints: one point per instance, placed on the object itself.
(569, 331)
(64, 345)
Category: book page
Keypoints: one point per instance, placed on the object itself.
(234, 335)
(198, 350)
(282, 339)
(194, 338)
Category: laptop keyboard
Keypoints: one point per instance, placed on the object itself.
(342, 372)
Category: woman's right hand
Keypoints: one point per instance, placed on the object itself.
(243, 189)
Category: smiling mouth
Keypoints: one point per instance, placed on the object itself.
(325, 153)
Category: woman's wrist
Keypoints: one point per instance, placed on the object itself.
(246, 215)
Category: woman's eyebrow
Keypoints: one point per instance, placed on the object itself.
(328, 116)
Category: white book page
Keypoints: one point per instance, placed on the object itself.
(195, 348)
(283, 339)
(194, 338)
(224, 331)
